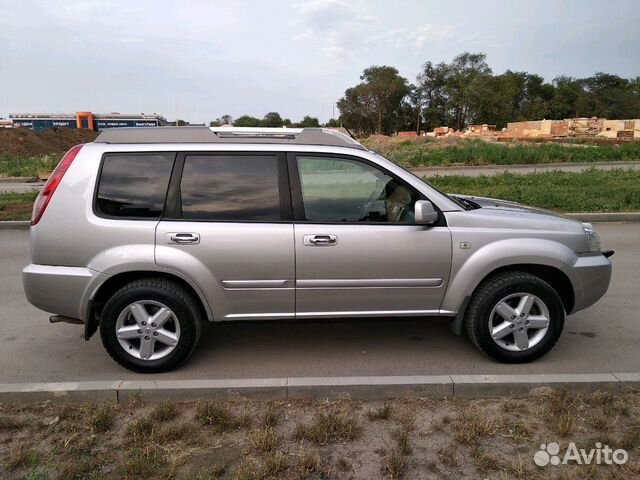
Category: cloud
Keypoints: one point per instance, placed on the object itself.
(417, 38)
(335, 25)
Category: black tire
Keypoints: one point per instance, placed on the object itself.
(497, 287)
(176, 298)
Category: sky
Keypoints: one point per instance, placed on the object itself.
(197, 60)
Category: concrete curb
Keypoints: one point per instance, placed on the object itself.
(18, 179)
(319, 388)
(582, 216)
(15, 225)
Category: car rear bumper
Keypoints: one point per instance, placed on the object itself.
(592, 275)
(59, 290)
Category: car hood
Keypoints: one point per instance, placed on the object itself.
(504, 219)
(506, 205)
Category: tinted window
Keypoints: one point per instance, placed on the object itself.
(230, 187)
(134, 185)
(344, 190)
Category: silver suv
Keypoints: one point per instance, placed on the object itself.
(148, 233)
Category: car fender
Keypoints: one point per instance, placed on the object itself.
(502, 253)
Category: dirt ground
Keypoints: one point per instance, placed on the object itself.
(26, 142)
(241, 440)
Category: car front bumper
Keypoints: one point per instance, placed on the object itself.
(591, 277)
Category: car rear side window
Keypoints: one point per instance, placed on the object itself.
(230, 188)
(134, 185)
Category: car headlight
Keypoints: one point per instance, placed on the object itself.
(592, 236)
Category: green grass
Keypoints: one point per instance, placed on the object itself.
(590, 191)
(16, 206)
(11, 166)
(423, 152)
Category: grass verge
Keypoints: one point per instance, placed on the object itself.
(425, 151)
(308, 440)
(16, 206)
(11, 166)
(590, 191)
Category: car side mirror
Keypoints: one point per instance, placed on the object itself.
(426, 213)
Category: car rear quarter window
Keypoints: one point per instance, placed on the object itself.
(134, 185)
(226, 187)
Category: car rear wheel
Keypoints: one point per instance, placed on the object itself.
(150, 325)
(514, 317)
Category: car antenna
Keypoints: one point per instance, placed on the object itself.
(349, 132)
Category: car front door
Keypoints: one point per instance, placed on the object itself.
(358, 249)
(228, 228)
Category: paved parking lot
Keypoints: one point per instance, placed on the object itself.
(602, 339)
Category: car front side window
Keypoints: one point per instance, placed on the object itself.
(346, 190)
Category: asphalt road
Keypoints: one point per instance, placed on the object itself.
(602, 339)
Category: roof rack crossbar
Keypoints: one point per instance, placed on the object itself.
(256, 130)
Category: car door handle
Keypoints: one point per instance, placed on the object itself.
(184, 238)
(320, 240)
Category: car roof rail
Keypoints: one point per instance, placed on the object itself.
(255, 135)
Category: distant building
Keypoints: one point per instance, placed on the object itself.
(574, 127)
(88, 120)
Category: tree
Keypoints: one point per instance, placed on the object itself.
(567, 92)
(371, 105)
(247, 121)
(308, 121)
(432, 99)
(333, 123)
(462, 72)
(273, 119)
(223, 120)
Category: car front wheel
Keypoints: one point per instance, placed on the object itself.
(514, 317)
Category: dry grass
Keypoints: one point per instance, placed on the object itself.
(175, 433)
(142, 463)
(264, 440)
(380, 413)
(329, 427)
(140, 430)
(395, 465)
(308, 440)
(472, 425)
(216, 414)
(101, 419)
(485, 460)
(19, 456)
(164, 412)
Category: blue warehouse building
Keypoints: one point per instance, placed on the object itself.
(87, 120)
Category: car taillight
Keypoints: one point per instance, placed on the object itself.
(54, 180)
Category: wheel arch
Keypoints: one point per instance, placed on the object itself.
(552, 275)
(115, 282)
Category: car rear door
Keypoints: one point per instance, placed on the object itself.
(227, 227)
(358, 250)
